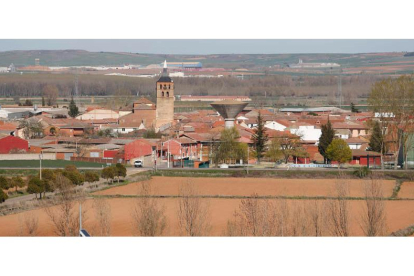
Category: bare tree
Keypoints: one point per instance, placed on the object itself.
(103, 215)
(148, 216)
(299, 222)
(373, 221)
(316, 214)
(193, 212)
(255, 217)
(338, 209)
(62, 210)
(28, 224)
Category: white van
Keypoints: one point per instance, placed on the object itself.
(138, 163)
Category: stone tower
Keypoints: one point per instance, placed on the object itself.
(165, 98)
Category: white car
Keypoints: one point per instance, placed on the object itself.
(138, 164)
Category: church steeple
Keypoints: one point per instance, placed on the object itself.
(164, 75)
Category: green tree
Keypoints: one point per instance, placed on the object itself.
(274, 152)
(36, 186)
(354, 109)
(91, 176)
(328, 134)
(4, 183)
(73, 109)
(121, 170)
(229, 150)
(259, 138)
(339, 151)
(17, 182)
(151, 133)
(376, 142)
(3, 196)
(43, 101)
(109, 173)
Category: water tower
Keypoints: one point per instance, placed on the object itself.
(228, 110)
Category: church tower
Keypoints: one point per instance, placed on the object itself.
(165, 99)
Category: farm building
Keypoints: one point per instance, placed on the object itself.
(13, 144)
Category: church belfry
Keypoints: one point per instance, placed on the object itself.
(165, 98)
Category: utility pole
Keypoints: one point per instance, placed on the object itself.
(40, 161)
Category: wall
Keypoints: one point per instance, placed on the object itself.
(27, 156)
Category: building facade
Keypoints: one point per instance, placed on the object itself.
(165, 99)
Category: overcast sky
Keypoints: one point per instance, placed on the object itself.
(210, 46)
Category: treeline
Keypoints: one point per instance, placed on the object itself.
(31, 85)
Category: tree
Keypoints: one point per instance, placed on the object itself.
(91, 176)
(274, 153)
(17, 182)
(376, 141)
(121, 170)
(61, 208)
(259, 138)
(103, 215)
(373, 221)
(43, 101)
(36, 186)
(193, 212)
(73, 109)
(327, 135)
(289, 145)
(148, 216)
(339, 151)
(337, 211)
(50, 92)
(229, 150)
(4, 183)
(392, 100)
(109, 173)
(3, 196)
(255, 217)
(354, 109)
(31, 129)
(151, 133)
(28, 224)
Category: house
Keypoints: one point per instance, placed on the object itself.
(307, 132)
(12, 144)
(361, 157)
(139, 149)
(355, 128)
(99, 114)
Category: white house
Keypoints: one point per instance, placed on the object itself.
(307, 132)
(275, 126)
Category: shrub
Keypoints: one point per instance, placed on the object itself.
(361, 172)
(75, 177)
(4, 183)
(91, 176)
(3, 196)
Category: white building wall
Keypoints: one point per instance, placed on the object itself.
(275, 126)
(307, 133)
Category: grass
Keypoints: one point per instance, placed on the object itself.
(34, 164)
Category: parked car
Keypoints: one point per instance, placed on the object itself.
(138, 163)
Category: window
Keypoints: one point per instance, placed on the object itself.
(165, 87)
(168, 94)
(160, 86)
(123, 129)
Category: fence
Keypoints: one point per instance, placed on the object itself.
(313, 165)
(97, 160)
(27, 156)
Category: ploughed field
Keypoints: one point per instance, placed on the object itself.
(224, 196)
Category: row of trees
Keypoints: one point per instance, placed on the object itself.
(257, 216)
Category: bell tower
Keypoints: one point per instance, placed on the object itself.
(165, 98)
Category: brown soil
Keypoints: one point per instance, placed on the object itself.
(400, 214)
(407, 190)
(248, 186)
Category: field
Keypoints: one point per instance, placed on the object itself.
(47, 164)
(224, 196)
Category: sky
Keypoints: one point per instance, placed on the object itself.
(214, 46)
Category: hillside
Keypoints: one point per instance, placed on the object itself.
(233, 61)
